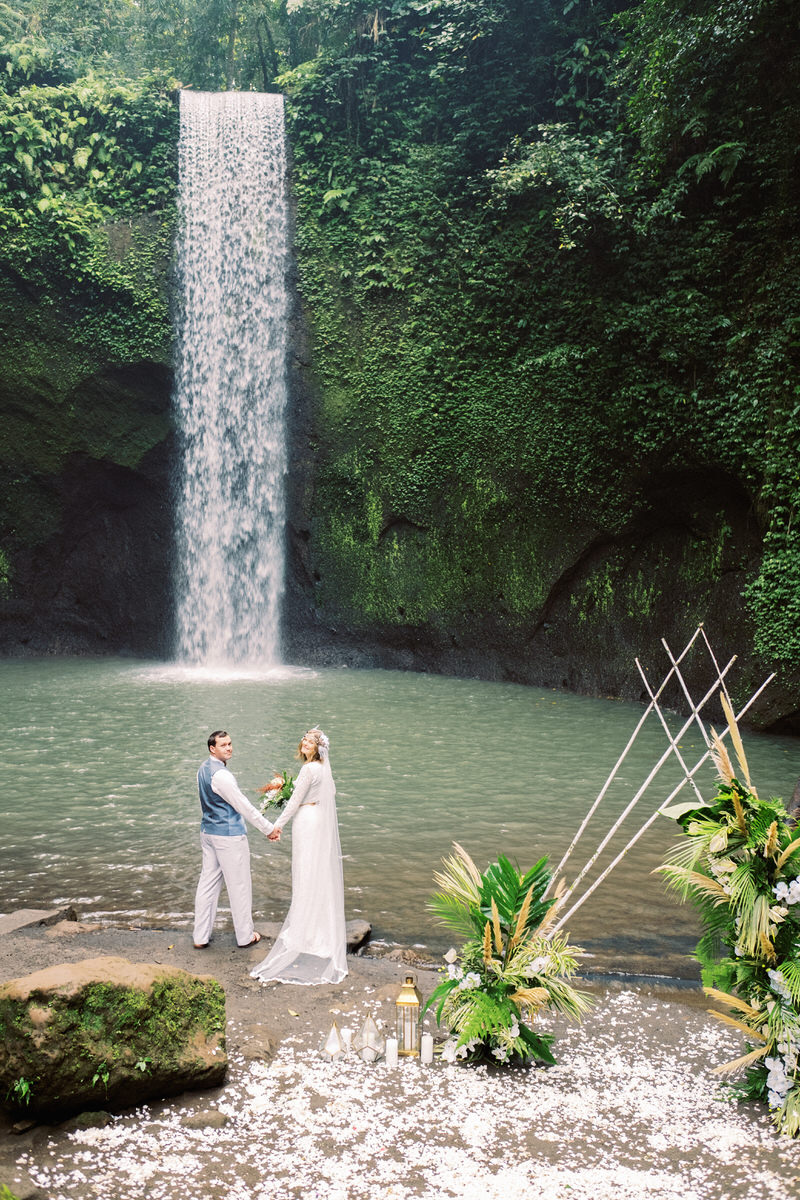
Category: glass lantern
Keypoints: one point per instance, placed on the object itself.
(407, 1010)
(334, 1045)
(369, 1043)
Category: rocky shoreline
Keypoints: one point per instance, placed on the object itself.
(631, 1109)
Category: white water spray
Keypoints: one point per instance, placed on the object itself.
(230, 390)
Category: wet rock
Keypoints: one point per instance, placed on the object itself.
(90, 1120)
(110, 1030)
(70, 927)
(258, 1044)
(207, 1118)
(358, 933)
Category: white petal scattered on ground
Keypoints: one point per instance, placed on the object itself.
(626, 1114)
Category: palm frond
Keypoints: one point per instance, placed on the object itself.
(498, 936)
(739, 1064)
(469, 865)
(685, 881)
(790, 970)
(736, 739)
(787, 853)
(732, 1002)
(737, 1024)
(452, 911)
(522, 921)
(772, 843)
(535, 997)
(720, 757)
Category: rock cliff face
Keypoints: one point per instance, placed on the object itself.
(540, 596)
(86, 460)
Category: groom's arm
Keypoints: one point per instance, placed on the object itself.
(224, 784)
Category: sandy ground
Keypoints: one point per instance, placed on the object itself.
(631, 1110)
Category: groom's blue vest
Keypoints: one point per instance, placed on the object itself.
(218, 816)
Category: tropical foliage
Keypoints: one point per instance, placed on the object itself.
(508, 970)
(741, 867)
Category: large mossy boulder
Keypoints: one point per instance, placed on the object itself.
(106, 1032)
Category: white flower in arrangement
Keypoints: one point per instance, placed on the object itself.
(789, 892)
(538, 964)
(501, 1052)
(514, 1030)
(778, 985)
(471, 980)
(449, 1051)
(778, 1083)
(451, 956)
(454, 972)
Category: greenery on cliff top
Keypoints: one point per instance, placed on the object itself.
(547, 252)
(546, 249)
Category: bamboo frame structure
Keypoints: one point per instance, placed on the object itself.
(672, 749)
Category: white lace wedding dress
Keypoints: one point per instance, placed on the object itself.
(312, 944)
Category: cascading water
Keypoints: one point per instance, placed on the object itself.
(230, 391)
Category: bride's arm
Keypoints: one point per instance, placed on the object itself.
(302, 786)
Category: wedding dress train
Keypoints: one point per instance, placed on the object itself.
(312, 944)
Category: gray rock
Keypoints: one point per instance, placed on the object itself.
(358, 933)
(207, 1118)
(107, 1030)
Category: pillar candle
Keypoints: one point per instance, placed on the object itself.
(391, 1052)
(426, 1049)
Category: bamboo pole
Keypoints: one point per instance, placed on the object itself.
(618, 764)
(604, 874)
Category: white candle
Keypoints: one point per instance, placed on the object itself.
(391, 1052)
(426, 1049)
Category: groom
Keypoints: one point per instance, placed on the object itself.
(226, 851)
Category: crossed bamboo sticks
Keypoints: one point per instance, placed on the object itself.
(573, 890)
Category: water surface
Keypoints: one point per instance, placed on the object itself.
(101, 806)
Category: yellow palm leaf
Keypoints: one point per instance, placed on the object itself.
(728, 1020)
(732, 1002)
(487, 943)
(498, 937)
(473, 871)
(787, 853)
(772, 843)
(720, 757)
(532, 997)
(767, 948)
(739, 1064)
(736, 739)
(522, 920)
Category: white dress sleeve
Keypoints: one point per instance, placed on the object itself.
(306, 779)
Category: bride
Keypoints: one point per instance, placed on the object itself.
(312, 944)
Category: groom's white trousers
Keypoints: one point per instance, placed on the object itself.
(224, 859)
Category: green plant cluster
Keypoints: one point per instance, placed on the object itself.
(534, 283)
(508, 969)
(741, 868)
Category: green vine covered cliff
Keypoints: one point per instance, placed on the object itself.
(545, 365)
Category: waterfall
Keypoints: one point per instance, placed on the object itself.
(230, 386)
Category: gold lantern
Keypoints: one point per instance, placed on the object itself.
(407, 1009)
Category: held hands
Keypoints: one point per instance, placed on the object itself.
(274, 836)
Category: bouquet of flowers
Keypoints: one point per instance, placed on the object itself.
(277, 791)
(741, 867)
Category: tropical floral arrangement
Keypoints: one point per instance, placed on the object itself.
(507, 971)
(741, 867)
(277, 791)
